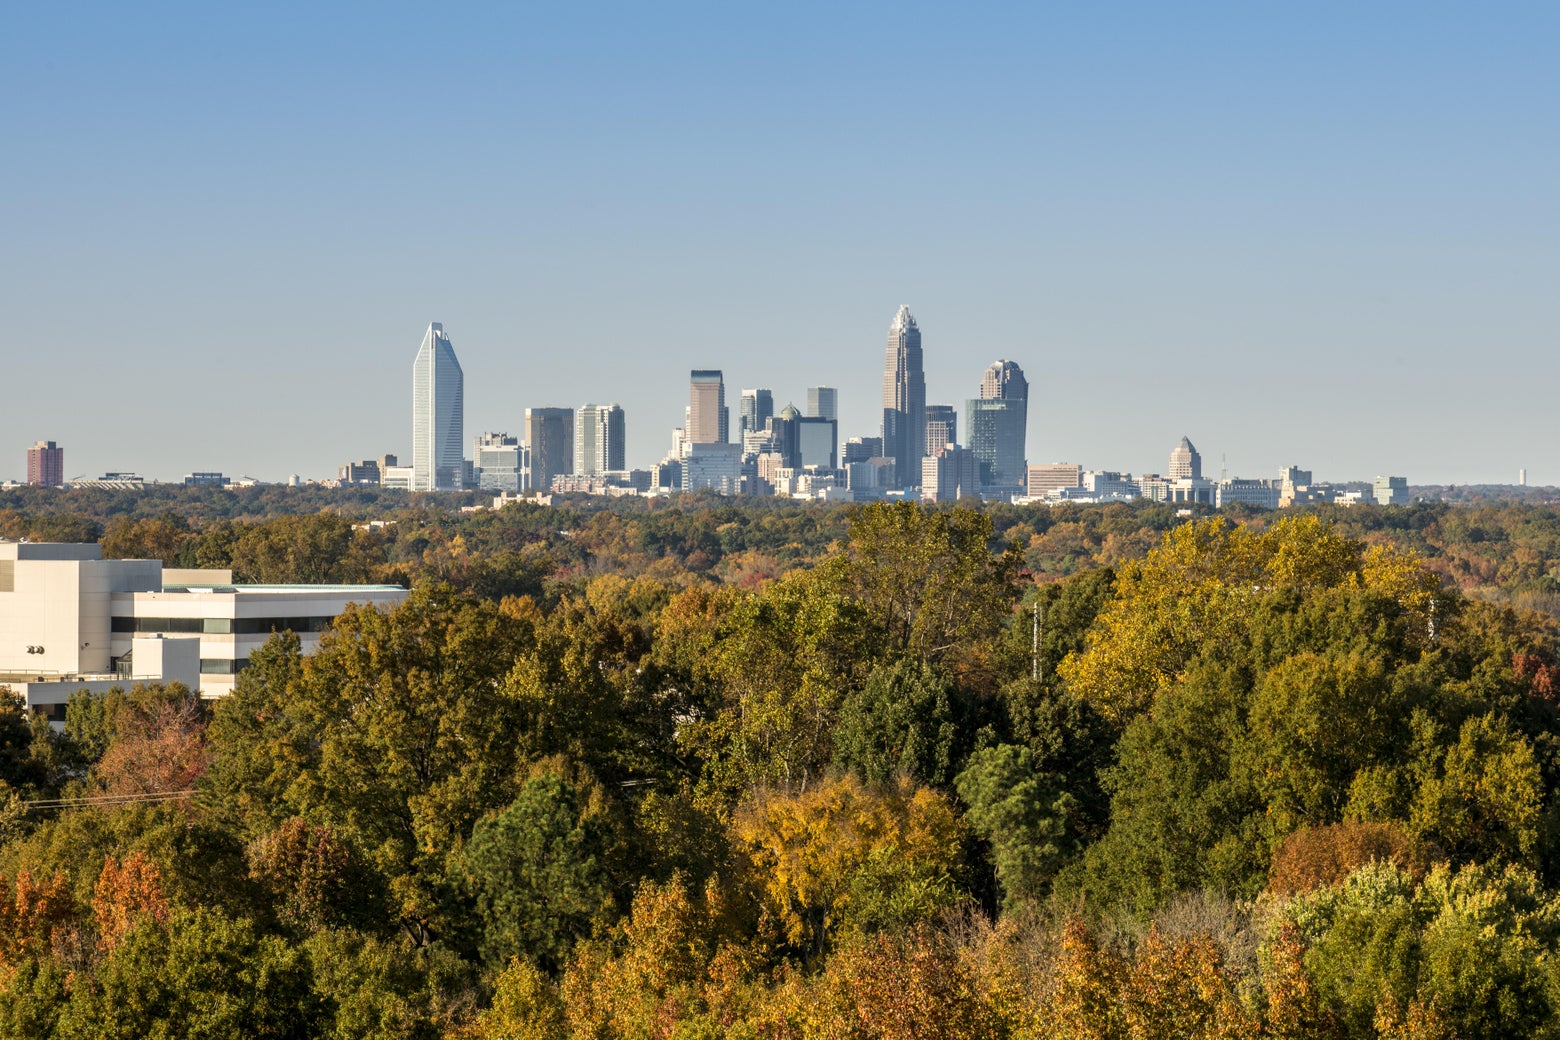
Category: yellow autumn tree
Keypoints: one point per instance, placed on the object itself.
(1197, 593)
(807, 853)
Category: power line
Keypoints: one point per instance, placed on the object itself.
(143, 797)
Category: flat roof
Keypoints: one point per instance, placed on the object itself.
(182, 587)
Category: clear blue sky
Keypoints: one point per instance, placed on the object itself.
(1323, 234)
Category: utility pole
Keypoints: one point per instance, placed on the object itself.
(1034, 652)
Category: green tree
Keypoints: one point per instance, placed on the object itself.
(396, 732)
(929, 582)
(1023, 814)
(537, 873)
(906, 719)
(201, 975)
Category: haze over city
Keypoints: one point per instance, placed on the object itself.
(1325, 236)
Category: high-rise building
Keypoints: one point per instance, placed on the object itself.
(438, 414)
(46, 465)
(942, 427)
(817, 442)
(904, 398)
(549, 432)
(500, 462)
(996, 426)
(948, 474)
(758, 407)
(785, 432)
(708, 417)
(1185, 463)
(599, 442)
(823, 403)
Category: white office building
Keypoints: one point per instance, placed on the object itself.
(71, 620)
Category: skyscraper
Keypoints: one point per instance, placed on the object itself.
(550, 434)
(708, 418)
(994, 428)
(904, 399)
(46, 465)
(599, 439)
(785, 430)
(823, 403)
(996, 425)
(758, 407)
(438, 414)
(942, 427)
(1185, 462)
(817, 441)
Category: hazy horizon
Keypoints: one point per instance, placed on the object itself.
(1325, 237)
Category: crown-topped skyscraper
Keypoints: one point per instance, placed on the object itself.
(1185, 462)
(904, 400)
(438, 415)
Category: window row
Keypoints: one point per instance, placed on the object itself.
(221, 626)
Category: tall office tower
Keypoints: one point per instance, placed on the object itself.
(823, 403)
(904, 399)
(817, 442)
(785, 430)
(1185, 462)
(500, 462)
(598, 439)
(994, 428)
(438, 410)
(997, 432)
(942, 427)
(1004, 380)
(46, 465)
(758, 407)
(708, 417)
(550, 434)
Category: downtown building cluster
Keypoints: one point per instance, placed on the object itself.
(915, 452)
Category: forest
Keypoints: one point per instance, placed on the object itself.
(699, 770)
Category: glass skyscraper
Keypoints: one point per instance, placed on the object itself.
(758, 407)
(438, 415)
(997, 425)
(904, 400)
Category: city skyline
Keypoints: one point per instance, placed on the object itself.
(599, 430)
(1334, 227)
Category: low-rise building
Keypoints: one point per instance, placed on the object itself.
(1263, 493)
(1055, 476)
(70, 619)
(1391, 491)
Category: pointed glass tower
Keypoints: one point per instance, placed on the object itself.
(904, 400)
(438, 415)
